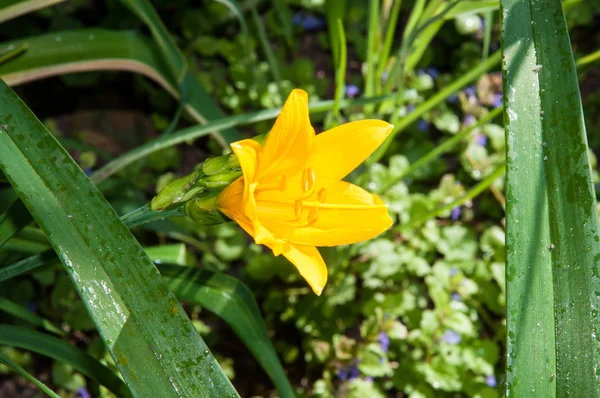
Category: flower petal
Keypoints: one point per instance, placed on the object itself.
(247, 154)
(310, 264)
(231, 203)
(338, 151)
(346, 214)
(290, 140)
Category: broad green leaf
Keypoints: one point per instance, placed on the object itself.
(10, 9)
(231, 300)
(15, 366)
(63, 352)
(99, 49)
(551, 220)
(153, 342)
(200, 105)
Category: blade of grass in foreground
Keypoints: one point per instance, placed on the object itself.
(63, 352)
(15, 366)
(551, 221)
(151, 339)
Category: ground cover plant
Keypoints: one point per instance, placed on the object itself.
(121, 273)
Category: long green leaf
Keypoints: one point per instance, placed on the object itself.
(14, 8)
(26, 315)
(15, 366)
(100, 49)
(233, 301)
(552, 223)
(200, 105)
(13, 220)
(153, 342)
(63, 352)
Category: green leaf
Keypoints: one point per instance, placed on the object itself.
(23, 313)
(99, 49)
(63, 352)
(14, 8)
(15, 366)
(551, 220)
(231, 300)
(147, 332)
(13, 220)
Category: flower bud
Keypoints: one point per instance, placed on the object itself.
(177, 191)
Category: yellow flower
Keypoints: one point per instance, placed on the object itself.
(291, 197)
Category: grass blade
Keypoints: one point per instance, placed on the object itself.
(15, 8)
(551, 222)
(63, 352)
(17, 311)
(15, 366)
(140, 320)
(13, 220)
(231, 300)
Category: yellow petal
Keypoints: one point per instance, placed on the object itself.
(310, 264)
(290, 140)
(231, 203)
(338, 151)
(247, 154)
(344, 214)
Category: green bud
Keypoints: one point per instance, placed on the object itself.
(216, 165)
(220, 180)
(203, 212)
(177, 191)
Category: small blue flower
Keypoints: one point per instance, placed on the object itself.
(491, 381)
(423, 125)
(343, 374)
(452, 99)
(82, 393)
(384, 341)
(32, 306)
(352, 90)
(455, 213)
(353, 373)
(410, 108)
(433, 72)
(497, 103)
(451, 337)
(470, 91)
(88, 171)
(481, 139)
(456, 297)
(453, 271)
(469, 120)
(307, 21)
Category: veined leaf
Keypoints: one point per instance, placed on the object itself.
(552, 220)
(153, 342)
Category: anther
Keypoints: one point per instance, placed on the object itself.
(297, 209)
(322, 195)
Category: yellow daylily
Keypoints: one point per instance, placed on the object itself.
(291, 197)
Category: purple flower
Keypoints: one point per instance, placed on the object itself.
(455, 213)
(481, 139)
(384, 341)
(349, 372)
(82, 393)
(343, 374)
(451, 337)
(88, 171)
(470, 91)
(497, 103)
(469, 120)
(452, 99)
(352, 90)
(491, 381)
(453, 271)
(353, 372)
(410, 108)
(456, 297)
(423, 125)
(431, 71)
(307, 21)
(32, 306)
